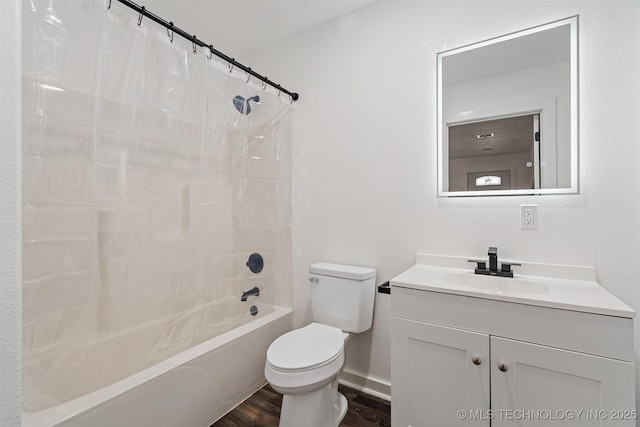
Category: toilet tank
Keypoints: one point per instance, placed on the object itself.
(342, 295)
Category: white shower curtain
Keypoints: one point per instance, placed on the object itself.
(144, 192)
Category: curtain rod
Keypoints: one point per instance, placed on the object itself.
(194, 40)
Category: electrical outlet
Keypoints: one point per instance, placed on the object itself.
(529, 217)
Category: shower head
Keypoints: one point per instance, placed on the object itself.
(242, 105)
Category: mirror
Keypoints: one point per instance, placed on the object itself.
(508, 114)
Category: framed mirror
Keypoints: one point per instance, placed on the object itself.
(508, 114)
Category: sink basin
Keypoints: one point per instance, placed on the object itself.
(495, 284)
(547, 285)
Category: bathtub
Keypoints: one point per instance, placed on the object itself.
(193, 388)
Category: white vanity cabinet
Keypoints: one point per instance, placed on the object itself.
(433, 375)
(461, 360)
(561, 382)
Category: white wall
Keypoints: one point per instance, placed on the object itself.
(10, 215)
(365, 150)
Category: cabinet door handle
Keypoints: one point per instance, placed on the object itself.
(503, 367)
(476, 360)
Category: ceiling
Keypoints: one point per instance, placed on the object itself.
(235, 27)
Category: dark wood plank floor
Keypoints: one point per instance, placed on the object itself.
(263, 409)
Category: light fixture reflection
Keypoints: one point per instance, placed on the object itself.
(49, 87)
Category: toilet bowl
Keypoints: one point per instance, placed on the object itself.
(304, 364)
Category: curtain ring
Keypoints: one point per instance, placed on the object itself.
(193, 42)
(248, 74)
(170, 28)
(279, 89)
(210, 53)
(291, 99)
(141, 15)
(264, 84)
(231, 64)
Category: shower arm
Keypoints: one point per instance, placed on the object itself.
(193, 39)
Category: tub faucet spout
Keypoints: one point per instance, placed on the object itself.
(250, 293)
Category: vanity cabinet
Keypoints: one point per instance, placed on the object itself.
(466, 361)
(433, 374)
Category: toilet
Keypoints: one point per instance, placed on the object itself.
(304, 364)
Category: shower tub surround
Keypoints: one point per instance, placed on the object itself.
(144, 193)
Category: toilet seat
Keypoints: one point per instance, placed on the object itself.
(307, 348)
(306, 356)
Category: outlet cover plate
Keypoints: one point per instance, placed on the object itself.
(529, 217)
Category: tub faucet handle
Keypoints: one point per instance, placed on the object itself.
(255, 263)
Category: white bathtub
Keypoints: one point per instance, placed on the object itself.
(193, 388)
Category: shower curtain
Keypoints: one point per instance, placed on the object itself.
(144, 193)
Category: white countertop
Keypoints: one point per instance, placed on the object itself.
(547, 285)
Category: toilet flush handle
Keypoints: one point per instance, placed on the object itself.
(313, 280)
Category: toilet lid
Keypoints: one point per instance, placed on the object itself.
(306, 348)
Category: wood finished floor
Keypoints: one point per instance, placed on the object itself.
(263, 409)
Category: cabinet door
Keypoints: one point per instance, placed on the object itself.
(435, 381)
(549, 386)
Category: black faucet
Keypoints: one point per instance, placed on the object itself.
(481, 267)
(493, 259)
(250, 293)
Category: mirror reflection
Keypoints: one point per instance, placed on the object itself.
(507, 114)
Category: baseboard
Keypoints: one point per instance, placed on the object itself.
(367, 384)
